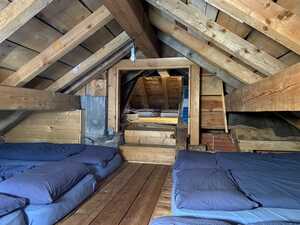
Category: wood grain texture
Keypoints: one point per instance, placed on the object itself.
(281, 92)
(208, 52)
(52, 127)
(131, 16)
(220, 36)
(267, 17)
(88, 64)
(13, 98)
(154, 63)
(195, 104)
(59, 48)
(17, 14)
(148, 154)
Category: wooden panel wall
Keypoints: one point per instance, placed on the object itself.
(212, 109)
(58, 127)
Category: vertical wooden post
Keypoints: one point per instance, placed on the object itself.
(112, 86)
(195, 121)
(118, 102)
(224, 110)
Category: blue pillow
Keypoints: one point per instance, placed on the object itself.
(96, 155)
(38, 151)
(208, 189)
(173, 220)
(272, 189)
(46, 183)
(7, 171)
(9, 204)
(195, 160)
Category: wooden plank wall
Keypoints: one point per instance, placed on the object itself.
(95, 117)
(212, 114)
(52, 127)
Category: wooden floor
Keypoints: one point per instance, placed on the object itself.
(132, 196)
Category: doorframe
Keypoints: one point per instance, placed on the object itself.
(114, 75)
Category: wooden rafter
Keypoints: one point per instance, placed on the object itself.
(15, 98)
(222, 37)
(131, 16)
(199, 60)
(108, 63)
(59, 48)
(209, 53)
(17, 13)
(280, 92)
(267, 17)
(88, 64)
(11, 121)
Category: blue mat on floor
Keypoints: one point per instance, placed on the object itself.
(52, 213)
(15, 218)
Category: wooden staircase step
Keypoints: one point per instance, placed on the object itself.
(152, 154)
(150, 136)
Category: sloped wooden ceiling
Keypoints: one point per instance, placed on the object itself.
(232, 39)
(50, 45)
(50, 24)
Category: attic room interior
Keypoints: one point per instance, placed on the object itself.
(150, 112)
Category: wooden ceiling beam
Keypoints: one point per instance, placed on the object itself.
(131, 16)
(98, 57)
(155, 63)
(108, 63)
(17, 13)
(190, 54)
(267, 17)
(209, 53)
(15, 98)
(59, 48)
(280, 92)
(220, 36)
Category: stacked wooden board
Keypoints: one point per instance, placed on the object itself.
(212, 103)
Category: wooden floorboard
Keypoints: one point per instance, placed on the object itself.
(128, 197)
(142, 208)
(163, 206)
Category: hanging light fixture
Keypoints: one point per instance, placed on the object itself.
(133, 54)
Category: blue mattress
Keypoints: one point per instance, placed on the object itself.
(244, 217)
(97, 169)
(173, 220)
(102, 172)
(254, 163)
(14, 218)
(52, 213)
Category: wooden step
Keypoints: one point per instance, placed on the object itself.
(150, 136)
(152, 154)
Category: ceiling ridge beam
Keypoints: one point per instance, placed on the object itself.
(132, 18)
(17, 13)
(59, 48)
(220, 36)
